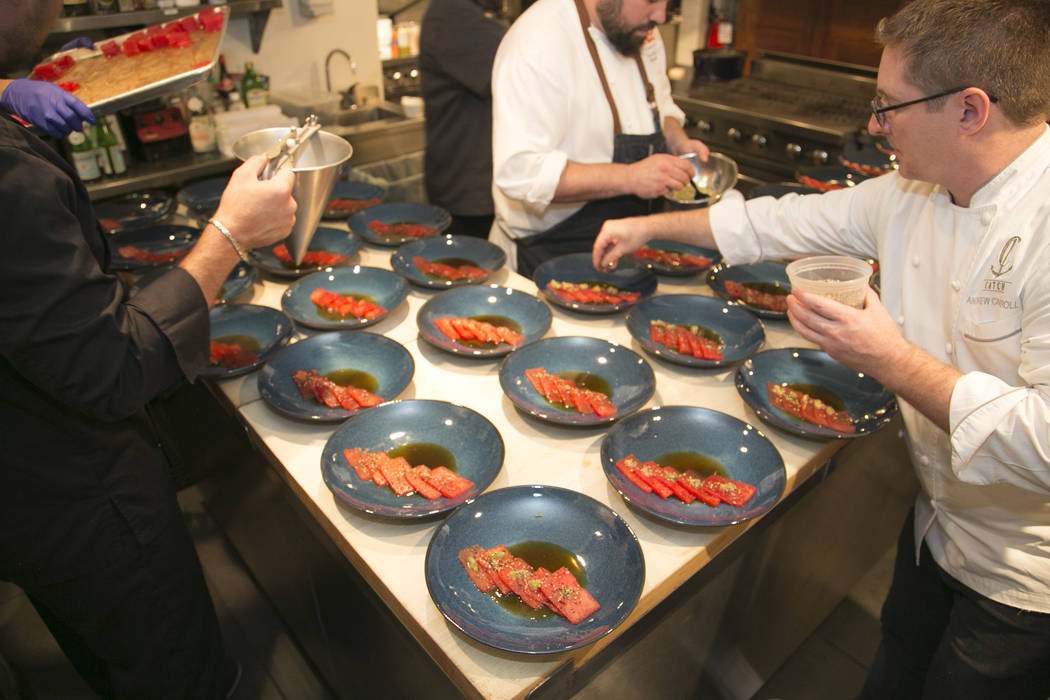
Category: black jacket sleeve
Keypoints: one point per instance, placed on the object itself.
(64, 324)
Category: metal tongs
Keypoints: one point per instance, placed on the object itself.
(285, 150)
(694, 160)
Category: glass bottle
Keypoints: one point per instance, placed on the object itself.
(202, 125)
(253, 87)
(225, 85)
(75, 8)
(110, 155)
(85, 154)
(104, 7)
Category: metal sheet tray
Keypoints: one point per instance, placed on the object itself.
(163, 87)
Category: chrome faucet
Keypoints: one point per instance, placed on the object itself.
(347, 100)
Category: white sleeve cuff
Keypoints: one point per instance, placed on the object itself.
(979, 405)
(733, 234)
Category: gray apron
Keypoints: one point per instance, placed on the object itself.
(576, 234)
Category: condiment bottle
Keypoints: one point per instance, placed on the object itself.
(253, 88)
(75, 8)
(110, 154)
(225, 86)
(202, 125)
(85, 154)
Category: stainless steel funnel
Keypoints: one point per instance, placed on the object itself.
(316, 169)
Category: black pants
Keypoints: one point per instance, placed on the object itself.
(941, 639)
(475, 226)
(143, 626)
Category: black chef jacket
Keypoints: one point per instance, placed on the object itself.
(78, 367)
(457, 47)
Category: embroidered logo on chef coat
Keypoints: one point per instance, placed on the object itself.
(1004, 265)
(993, 312)
(1000, 266)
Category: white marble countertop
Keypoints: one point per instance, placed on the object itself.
(390, 555)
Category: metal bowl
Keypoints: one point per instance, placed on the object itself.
(713, 178)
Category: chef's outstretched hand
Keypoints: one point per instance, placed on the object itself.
(257, 212)
(866, 339)
(658, 175)
(617, 238)
(45, 105)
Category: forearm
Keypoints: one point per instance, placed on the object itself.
(692, 226)
(210, 262)
(583, 182)
(915, 376)
(675, 135)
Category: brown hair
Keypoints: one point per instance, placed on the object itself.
(1000, 46)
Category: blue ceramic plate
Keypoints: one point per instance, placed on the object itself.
(452, 250)
(830, 177)
(598, 540)
(372, 283)
(240, 279)
(771, 273)
(744, 453)
(629, 276)
(474, 443)
(400, 213)
(385, 360)
(202, 197)
(268, 330)
(628, 376)
(867, 401)
(327, 240)
(660, 268)
(741, 333)
(134, 210)
(779, 189)
(355, 197)
(526, 315)
(162, 239)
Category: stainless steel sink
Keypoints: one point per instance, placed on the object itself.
(377, 131)
(384, 114)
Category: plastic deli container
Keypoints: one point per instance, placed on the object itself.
(836, 277)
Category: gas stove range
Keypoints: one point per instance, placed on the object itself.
(789, 112)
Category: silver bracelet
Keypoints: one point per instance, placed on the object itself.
(229, 236)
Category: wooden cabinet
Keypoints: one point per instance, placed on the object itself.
(838, 30)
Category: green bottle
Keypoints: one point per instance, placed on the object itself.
(85, 154)
(253, 88)
(110, 155)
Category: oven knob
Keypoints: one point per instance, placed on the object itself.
(820, 156)
(759, 141)
(704, 126)
(793, 151)
(735, 134)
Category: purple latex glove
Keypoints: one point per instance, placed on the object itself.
(45, 105)
(81, 42)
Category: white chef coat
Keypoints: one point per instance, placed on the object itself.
(970, 286)
(548, 107)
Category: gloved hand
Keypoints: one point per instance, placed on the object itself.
(81, 42)
(45, 105)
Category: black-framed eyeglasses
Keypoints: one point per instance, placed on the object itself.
(879, 108)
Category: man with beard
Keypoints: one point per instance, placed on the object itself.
(584, 126)
(961, 333)
(89, 523)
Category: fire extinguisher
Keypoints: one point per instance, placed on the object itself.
(719, 30)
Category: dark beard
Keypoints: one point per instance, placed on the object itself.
(622, 38)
